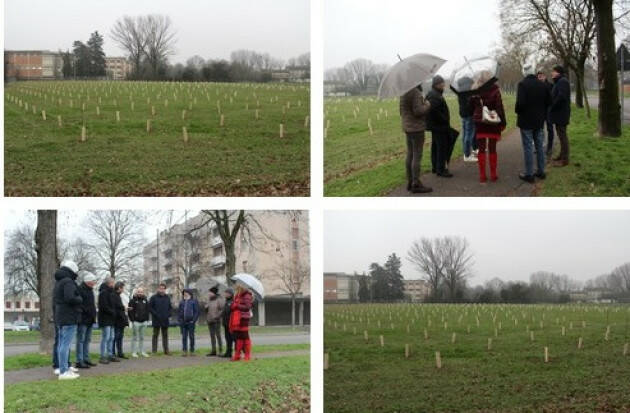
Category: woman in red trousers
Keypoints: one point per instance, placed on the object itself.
(488, 134)
(239, 322)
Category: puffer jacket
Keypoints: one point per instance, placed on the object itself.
(490, 97)
(215, 308)
(241, 311)
(188, 310)
(66, 298)
(413, 111)
(139, 309)
(106, 306)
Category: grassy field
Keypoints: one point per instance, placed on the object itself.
(511, 376)
(599, 167)
(360, 163)
(270, 385)
(246, 156)
(30, 360)
(29, 337)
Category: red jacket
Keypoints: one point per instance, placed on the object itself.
(491, 97)
(241, 311)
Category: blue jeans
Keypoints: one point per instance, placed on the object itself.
(55, 359)
(84, 336)
(107, 342)
(119, 334)
(188, 331)
(66, 333)
(468, 135)
(531, 138)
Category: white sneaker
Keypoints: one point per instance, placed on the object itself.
(68, 375)
(475, 152)
(57, 371)
(144, 354)
(134, 355)
(73, 369)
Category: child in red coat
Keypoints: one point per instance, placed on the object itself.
(239, 322)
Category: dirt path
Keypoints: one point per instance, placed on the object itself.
(136, 366)
(466, 175)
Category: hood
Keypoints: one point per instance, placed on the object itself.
(65, 272)
(189, 291)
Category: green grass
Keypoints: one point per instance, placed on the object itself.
(599, 166)
(359, 164)
(30, 360)
(280, 384)
(510, 377)
(30, 337)
(245, 157)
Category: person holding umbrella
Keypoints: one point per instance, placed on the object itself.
(413, 111)
(490, 122)
(439, 123)
(240, 314)
(469, 143)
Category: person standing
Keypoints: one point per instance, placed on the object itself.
(121, 320)
(550, 134)
(532, 101)
(239, 322)
(160, 308)
(139, 319)
(488, 133)
(107, 320)
(88, 318)
(413, 111)
(228, 294)
(215, 308)
(187, 316)
(469, 143)
(560, 112)
(439, 123)
(67, 304)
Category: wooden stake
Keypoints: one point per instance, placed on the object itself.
(365, 335)
(184, 114)
(453, 337)
(426, 334)
(281, 130)
(148, 125)
(43, 114)
(382, 340)
(306, 121)
(438, 360)
(222, 120)
(185, 134)
(546, 355)
(579, 343)
(59, 121)
(489, 344)
(325, 361)
(625, 349)
(256, 115)
(531, 335)
(117, 116)
(152, 110)
(406, 351)
(83, 134)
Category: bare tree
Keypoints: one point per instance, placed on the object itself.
(47, 264)
(82, 253)
(118, 241)
(293, 277)
(458, 261)
(360, 72)
(130, 33)
(620, 277)
(160, 41)
(609, 111)
(20, 262)
(427, 257)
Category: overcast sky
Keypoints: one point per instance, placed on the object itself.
(379, 30)
(507, 244)
(209, 28)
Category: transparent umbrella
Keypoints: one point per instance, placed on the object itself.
(409, 73)
(471, 74)
(251, 282)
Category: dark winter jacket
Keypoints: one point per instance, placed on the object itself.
(490, 97)
(139, 309)
(88, 307)
(241, 311)
(106, 306)
(121, 314)
(532, 100)
(560, 110)
(188, 312)
(227, 310)
(160, 308)
(465, 107)
(413, 111)
(66, 298)
(439, 119)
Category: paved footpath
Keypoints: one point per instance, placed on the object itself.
(465, 181)
(139, 365)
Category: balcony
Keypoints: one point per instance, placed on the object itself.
(218, 261)
(215, 241)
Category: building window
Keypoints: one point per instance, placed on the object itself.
(215, 232)
(37, 305)
(295, 232)
(18, 304)
(27, 304)
(245, 266)
(195, 258)
(168, 267)
(7, 304)
(295, 245)
(217, 251)
(218, 272)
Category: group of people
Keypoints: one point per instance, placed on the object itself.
(75, 314)
(483, 118)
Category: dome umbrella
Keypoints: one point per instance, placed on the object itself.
(409, 73)
(473, 74)
(250, 282)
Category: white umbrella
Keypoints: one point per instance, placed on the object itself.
(251, 282)
(473, 73)
(409, 73)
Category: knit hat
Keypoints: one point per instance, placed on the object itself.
(89, 277)
(437, 79)
(230, 290)
(71, 265)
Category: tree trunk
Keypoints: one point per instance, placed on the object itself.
(609, 108)
(230, 261)
(47, 263)
(292, 311)
(579, 86)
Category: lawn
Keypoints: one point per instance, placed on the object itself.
(270, 385)
(512, 376)
(246, 156)
(357, 163)
(30, 360)
(29, 337)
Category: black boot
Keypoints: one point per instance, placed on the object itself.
(418, 188)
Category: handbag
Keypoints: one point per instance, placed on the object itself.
(490, 117)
